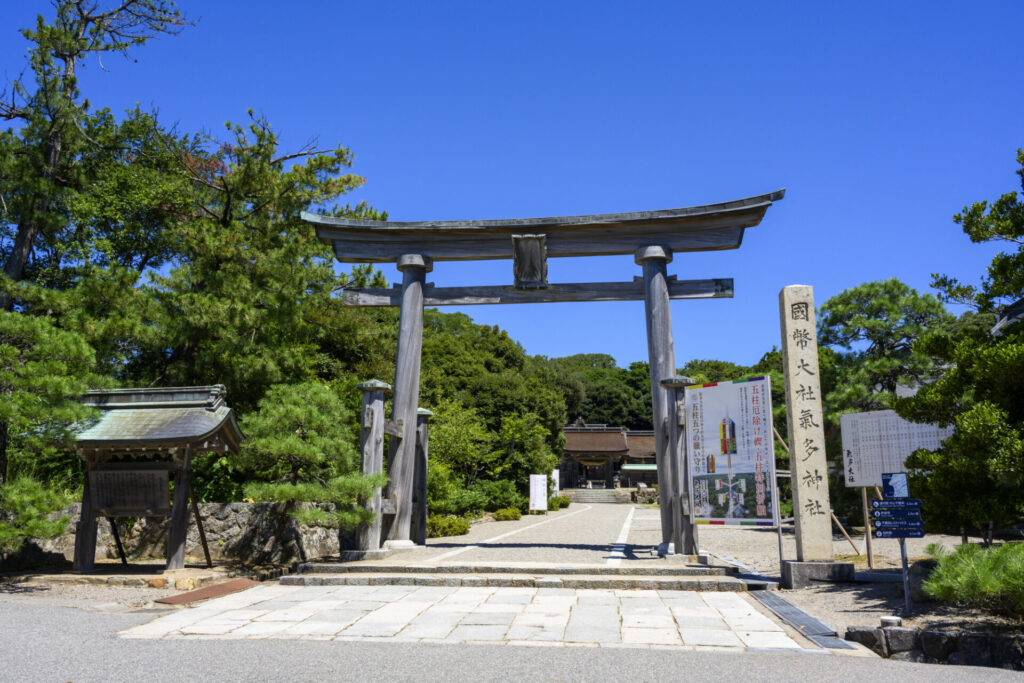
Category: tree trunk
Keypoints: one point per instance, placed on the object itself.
(3, 451)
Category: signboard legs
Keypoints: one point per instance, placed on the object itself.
(867, 527)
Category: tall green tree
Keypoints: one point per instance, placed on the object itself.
(43, 369)
(299, 449)
(39, 159)
(873, 326)
(976, 476)
(244, 301)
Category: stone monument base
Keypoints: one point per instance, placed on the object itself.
(796, 574)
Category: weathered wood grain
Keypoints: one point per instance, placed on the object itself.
(698, 228)
(177, 532)
(371, 441)
(402, 451)
(717, 288)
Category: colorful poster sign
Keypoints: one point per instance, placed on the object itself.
(730, 450)
(880, 441)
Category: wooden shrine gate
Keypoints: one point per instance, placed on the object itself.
(651, 236)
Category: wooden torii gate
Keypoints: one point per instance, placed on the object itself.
(651, 236)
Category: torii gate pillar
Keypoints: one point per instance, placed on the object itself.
(402, 450)
(662, 360)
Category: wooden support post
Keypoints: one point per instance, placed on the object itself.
(402, 452)
(85, 531)
(199, 525)
(654, 259)
(418, 526)
(867, 527)
(117, 541)
(371, 443)
(177, 533)
(684, 531)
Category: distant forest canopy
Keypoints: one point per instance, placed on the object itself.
(136, 254)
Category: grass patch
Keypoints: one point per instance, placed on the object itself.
(987, 578)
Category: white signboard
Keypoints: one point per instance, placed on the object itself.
(538, 492)
(880, 441)
(731, 453)
(554, 482)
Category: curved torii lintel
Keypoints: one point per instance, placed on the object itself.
(711, 227)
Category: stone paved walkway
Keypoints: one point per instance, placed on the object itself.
(519, 616)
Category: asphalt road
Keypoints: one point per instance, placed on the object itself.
(44, 642)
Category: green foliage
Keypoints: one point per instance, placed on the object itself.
(507, 514)
(1002, 221)
(439, 526)
(42, 370)
(523, 450)
(600, 392)
(558, 502)
(25, 506)
(985, 578)
(299, 450)
(873, 327)
(977, 474)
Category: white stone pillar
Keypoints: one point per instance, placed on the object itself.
(811, 506)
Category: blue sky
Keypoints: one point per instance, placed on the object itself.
(881, 119)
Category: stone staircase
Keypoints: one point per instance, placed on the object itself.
(597, 495)
(674, 576)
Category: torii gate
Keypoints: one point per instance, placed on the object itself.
(651, 236)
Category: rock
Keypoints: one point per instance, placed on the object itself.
(976, 649)
(909, 656)
(157, 583)
(900, 639)
(880, 647)
(954, 658)
(865, 635)
(1008, 652)
(939, 644)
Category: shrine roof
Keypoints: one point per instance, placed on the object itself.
(641, 444)
(142, 419)
(603, 441)
(694, 228)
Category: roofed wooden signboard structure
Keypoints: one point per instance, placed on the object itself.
(130, 449)
(650, 236)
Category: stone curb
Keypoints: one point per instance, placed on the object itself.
(722, 583)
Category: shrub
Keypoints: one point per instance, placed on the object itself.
(563, 501)
(507, 514)
(24, 508)
(446, 525)
(988, 578)
(501, 493)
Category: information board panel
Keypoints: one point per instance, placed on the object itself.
(880, 441)
(731, 453)
(538, 492)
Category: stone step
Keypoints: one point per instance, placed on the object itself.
(676, 570)
(573, 581)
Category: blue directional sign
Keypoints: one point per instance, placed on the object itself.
(905, 513)
(899, 524)
(899, 533)
(896, 503)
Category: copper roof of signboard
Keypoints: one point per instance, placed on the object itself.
(144, 419)
(696, 228)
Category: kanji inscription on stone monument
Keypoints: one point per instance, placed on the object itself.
(806, 436)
